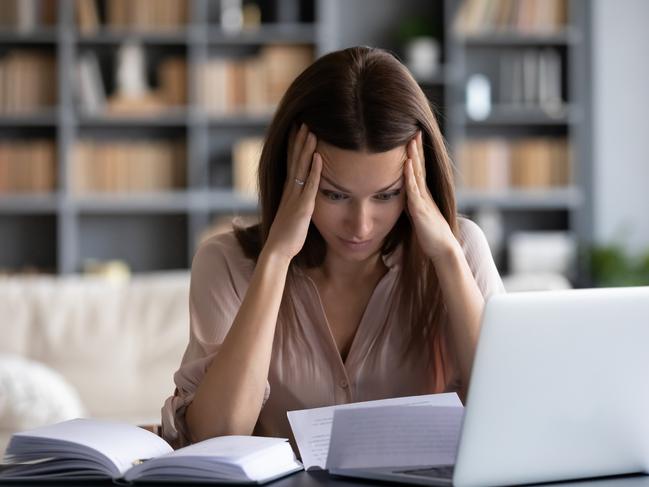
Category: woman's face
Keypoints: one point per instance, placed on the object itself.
(360, 198)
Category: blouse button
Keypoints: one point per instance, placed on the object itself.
(344, 384)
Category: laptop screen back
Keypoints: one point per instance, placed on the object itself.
(559, 388)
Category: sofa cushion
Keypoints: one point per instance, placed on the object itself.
(33, 394)
(118, 344)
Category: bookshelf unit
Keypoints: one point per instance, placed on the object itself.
(565, 206)
(58, 231)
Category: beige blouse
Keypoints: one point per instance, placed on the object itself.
(306, 369)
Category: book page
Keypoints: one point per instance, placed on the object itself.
(119, 443)
(230, 449)
(392, 436)
(233, 458)
(312, 427)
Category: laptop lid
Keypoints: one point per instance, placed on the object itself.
(559, 388)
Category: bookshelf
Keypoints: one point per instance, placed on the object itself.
(136, 179)
(184, 43)
(536, 57)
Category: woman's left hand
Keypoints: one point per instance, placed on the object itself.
(432, 230)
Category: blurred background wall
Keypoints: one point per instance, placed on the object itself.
(621, 125)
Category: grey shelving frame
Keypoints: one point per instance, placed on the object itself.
(78, 219)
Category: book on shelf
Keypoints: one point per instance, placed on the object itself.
(137, 15)
(477, 17)
(528, 163)
(91, 91)
(98, 449)
(87, 16)
(27, 16)
(251, 85)
(283, 64)
(127, 166)
(531, 78)
(27, 81)
(540, 163)
(172, 81)
(245, 161)
(27, 166)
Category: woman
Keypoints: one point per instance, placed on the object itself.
(359, 283)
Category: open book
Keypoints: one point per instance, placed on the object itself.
(364, 439)
(88, 449)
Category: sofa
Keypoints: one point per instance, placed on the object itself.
(87, 346)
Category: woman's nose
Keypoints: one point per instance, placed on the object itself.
(360, 221)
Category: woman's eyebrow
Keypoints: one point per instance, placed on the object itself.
(345, 190)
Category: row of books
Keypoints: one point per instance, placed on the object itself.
(528, 163)
(100, 166)
(477, 17)
(27, 81)
(27, 15)
(27, 166)
(532, 77)
(225, 86)
(251, 85)
(141, 15)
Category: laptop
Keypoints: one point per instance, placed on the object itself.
(559, 391)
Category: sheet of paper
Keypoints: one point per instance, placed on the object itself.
(312, 427)
(389, 437)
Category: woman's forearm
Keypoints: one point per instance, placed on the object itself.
(465, 305)
(230, 396)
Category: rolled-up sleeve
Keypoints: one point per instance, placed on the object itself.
(219, 279)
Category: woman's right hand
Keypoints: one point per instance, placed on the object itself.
(289, 229)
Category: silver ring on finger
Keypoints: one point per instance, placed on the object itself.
(299, 182)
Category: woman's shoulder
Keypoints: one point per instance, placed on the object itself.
(469, 231)
(473, 241)
(478, 255)
(220, 249)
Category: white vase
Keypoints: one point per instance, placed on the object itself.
(422, 57)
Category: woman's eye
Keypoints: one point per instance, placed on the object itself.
(333, 196)
(387, 196)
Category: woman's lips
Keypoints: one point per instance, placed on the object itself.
(355, 244)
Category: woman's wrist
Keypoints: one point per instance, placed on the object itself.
(449, 260)
(270, 257)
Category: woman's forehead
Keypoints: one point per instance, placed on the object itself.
(359, 170)
(342, 158)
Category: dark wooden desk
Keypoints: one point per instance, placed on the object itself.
(322, 479)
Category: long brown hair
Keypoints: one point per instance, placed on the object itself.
(362, 99)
